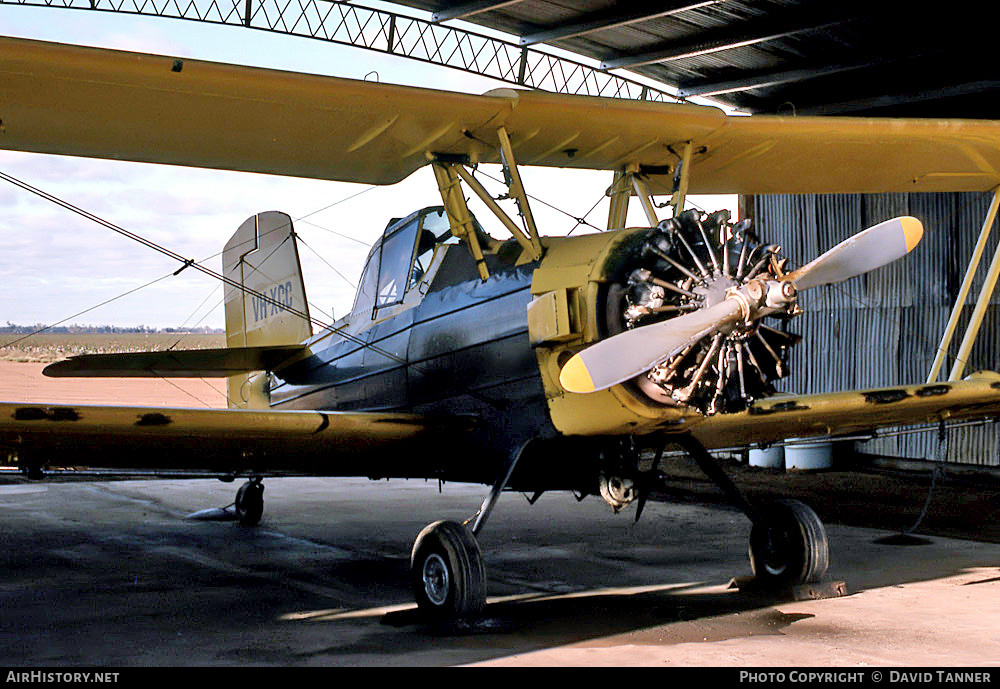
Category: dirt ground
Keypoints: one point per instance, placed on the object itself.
(24, 382)
(111, 574)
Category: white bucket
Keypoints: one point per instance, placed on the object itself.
(808, 456)
(771, 458)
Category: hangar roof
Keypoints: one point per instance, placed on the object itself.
(852, 57)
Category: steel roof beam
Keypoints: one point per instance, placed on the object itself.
(391, 34)
(760, 81)
(471, 9)
(725, 39)
(602, 21)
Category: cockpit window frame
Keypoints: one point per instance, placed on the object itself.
(400, 274)
(378, 253)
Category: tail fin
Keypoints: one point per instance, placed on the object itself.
(263, 257)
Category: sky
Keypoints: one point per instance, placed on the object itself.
(56, 264)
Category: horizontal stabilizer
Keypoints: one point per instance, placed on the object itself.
(185, 363)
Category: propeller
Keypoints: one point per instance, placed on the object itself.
(867, 250)
(633, 352)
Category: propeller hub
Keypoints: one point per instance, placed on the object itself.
(715, 290)
(781, 294)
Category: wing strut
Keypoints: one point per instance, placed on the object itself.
(450, 173)
(984, 296)
(474, 184)
(631, 180)
(682, 177)
(645, 198)
(619, 192)
(462, 225)
(513, 177)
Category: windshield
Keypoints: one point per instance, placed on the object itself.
(400, 259)
(394, 269)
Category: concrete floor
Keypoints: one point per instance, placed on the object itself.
(111, 574)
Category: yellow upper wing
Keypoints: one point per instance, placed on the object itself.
(112, 104)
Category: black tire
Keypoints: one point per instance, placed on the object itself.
(788, 544)
(250, 503)
(449, 580)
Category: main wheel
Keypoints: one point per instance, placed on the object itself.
(250, 503)
(449, 580)
(788, 544)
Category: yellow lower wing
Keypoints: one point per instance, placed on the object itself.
(329, 443)
(844, 413)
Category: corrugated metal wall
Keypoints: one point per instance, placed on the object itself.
(883, 328)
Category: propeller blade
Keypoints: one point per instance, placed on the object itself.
(633, 352)
(873, 248)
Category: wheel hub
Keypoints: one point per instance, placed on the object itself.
(435, 578)
(776, 552)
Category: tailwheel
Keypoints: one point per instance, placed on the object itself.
(449, 580)
(250, 502)
(788, 544)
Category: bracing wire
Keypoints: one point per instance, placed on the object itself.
(330, 265)
(579, 221)
(191, 263)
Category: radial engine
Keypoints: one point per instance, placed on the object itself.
(686, 264)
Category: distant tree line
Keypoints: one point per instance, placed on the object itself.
(13, 328)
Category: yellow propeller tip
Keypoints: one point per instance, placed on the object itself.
(913, 230)
(575, 377)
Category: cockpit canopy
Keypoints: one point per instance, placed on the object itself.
(400, 257)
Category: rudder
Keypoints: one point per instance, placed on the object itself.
(263, 257)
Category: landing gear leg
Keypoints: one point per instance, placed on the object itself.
(250, 502)
(446, 565)
(788, 544)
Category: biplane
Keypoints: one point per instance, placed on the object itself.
(529, 363)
